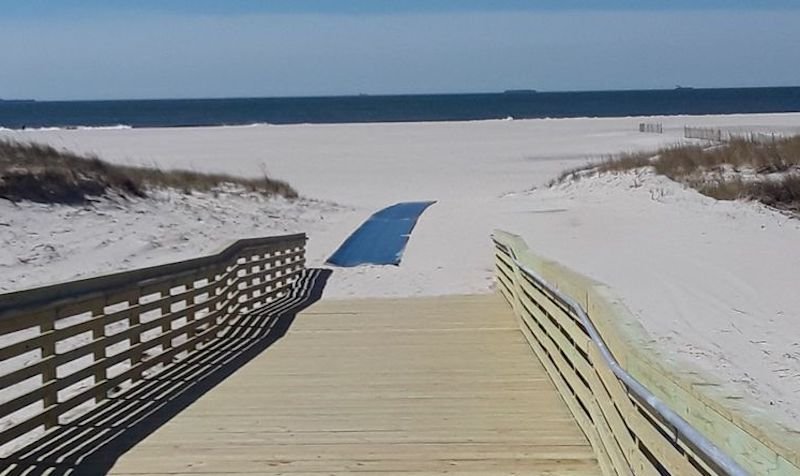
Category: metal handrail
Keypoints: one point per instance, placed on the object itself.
(711, 452)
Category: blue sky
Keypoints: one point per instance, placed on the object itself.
(66, 7)
(93, 49)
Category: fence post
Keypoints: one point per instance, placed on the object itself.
(134, 321)
(49, 374)
(518, 306)
(98, 334)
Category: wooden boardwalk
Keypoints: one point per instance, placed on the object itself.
(411, 386)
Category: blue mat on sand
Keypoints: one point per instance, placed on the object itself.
(382, 238)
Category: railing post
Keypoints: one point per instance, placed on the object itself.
(98, 333)
(134, 320)
(277, 274)
(190, 312)
(166, 310)
(49, 374)
(517, 305)
(220, 293)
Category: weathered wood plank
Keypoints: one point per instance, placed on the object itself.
(426, 386)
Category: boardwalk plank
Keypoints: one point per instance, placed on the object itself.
(410, 386)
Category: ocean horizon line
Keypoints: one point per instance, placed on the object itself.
(510, 91)
(365, 108)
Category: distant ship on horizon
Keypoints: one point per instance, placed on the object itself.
(17, 100)
(520, 91)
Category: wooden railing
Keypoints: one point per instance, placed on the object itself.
(66, 347)
(629, 434)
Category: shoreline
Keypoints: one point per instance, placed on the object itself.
(115, 127)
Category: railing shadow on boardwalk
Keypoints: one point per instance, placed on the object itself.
(92, 443)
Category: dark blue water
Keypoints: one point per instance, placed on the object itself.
(443, 107)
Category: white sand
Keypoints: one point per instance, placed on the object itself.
(45, 243)
(714, 282)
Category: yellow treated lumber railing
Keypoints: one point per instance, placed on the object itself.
(639, 417)
(68, 346)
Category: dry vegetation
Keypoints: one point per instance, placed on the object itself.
(739, 169)
(44, 174)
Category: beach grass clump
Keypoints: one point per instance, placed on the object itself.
(781, 155)
(610, 163)
(41, 173)
(742, 168)
(625, 161)
(782, 193)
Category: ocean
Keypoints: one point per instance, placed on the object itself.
(397, 108)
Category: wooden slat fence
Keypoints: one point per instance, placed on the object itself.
(651, 127)
(706, 133)
(66, 347)
(718, 135)
(627, 436)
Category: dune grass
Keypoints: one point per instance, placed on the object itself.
(41, 173)
(739, 169)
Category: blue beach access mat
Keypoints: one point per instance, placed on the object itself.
(382, 238)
